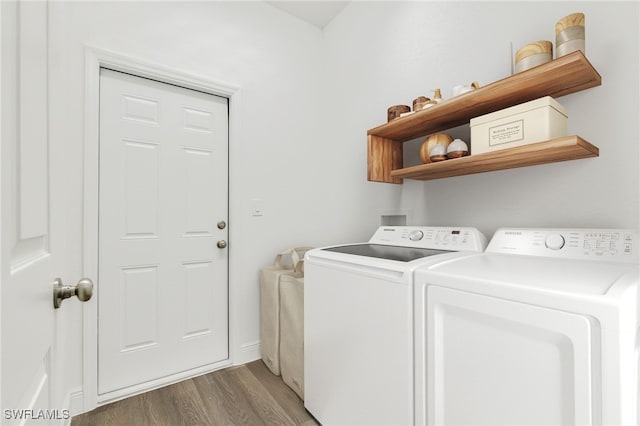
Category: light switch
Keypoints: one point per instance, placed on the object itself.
(257, 206)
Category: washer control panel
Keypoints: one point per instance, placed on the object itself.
(614, 245)
(431, 237)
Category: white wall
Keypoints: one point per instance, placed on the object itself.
(386, 53)
(308, 98)
(285, 153)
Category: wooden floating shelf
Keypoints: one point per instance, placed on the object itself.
(568, 74)
(555, 150)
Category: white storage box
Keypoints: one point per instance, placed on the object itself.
(534, 121)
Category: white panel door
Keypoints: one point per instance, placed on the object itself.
(163, 296)
(32, 236)
(497, 362)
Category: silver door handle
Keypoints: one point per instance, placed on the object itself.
(83, 290)
(222, 244)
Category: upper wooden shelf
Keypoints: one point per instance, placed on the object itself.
(555, 150)
(568, 74)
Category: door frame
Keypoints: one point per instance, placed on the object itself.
(95, 59)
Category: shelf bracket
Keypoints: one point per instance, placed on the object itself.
(384, 156)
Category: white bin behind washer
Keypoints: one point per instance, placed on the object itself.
(542, 328)
(358, 322)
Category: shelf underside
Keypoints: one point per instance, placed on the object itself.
(567, 74)
(555, 150)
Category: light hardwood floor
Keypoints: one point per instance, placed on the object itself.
(245, 395)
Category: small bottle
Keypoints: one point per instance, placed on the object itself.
(437, 96)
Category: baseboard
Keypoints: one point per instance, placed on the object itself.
(76, 402)
(248, 352)
(72, 405)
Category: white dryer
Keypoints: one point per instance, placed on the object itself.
(543, 328)
(358, 322)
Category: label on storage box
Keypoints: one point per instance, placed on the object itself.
(506, 133)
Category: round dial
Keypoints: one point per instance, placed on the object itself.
(416, 235)
(554, 241)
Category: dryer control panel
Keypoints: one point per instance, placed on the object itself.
(612, 245)
(431, 237)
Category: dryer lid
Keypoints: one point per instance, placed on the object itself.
(534, 273)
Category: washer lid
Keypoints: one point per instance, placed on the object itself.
(380, 251)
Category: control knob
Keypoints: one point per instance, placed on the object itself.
(416, 235)
(554, 242)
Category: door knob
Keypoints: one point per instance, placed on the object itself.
(83, 290)
(222, 244)
(222, 224)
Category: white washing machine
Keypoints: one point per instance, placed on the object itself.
(541, 329)
(358, 322)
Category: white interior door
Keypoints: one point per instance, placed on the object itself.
(163, 288)
(499, 362)
(31, 235)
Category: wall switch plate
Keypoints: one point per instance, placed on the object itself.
(257, 206)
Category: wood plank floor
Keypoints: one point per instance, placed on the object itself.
(245, 395)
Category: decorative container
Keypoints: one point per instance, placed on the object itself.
(420, 102)
(457, 148)
(430, 142)
(534, 121)
(533, 54)
(570, 34)
(395, 111)
(462, 88)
